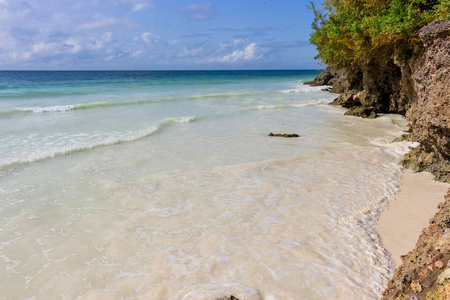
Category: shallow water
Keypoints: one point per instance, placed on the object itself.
(165, 185)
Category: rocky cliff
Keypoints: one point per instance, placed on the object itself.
(412, 80)
(425, 271)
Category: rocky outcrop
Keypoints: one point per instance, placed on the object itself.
(412, 79)
(384, 84)
(419, 88)
(419, 159)
(362, 111)
(429, 116)
(335, 77)
(425, 271)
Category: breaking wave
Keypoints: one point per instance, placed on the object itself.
(83, 141)
(311, 103)
(300, 87)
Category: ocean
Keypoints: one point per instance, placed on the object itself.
(166, 185)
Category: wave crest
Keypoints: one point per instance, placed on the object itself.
(304, 88)
(311, 103)
(96, 141)
(57, 108)
(180, 120)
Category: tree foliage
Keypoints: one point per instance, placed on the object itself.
(346, 31)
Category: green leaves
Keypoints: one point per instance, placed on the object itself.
(348, 30)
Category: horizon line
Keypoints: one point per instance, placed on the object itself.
(149, 70)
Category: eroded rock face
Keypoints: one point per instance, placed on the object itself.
(425, 271)
(429, 116)
(362, 111)
(418, 87)
(335, 77)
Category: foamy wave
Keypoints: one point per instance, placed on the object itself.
(93, 105)
(57, 108)
(311, 103)
(82, 106)
(98, 104)
(83, 141)
(179, 120)
(303, 88)
(223, 95)
(268, 106)
(98, 139)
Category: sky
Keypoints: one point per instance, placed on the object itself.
(155, 35)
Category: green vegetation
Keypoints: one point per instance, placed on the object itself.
(346, 31)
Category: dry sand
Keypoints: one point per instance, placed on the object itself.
(401, 225)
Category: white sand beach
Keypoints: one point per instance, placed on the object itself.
(401, 225)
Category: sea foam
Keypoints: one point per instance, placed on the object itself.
(76, 143)
(57, 108)
(300, 87)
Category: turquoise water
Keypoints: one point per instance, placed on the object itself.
(166, 185)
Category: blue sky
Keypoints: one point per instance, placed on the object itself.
(155, 34)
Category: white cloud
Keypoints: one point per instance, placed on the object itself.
(249, 53)
(149, 38)
(192, 52)
(237, 42)
(136, 53)
(40, 33)
(40, 47)
(97, 43)
(109, 58)
(72, 46)
(173, 42)
(146, 37)
(203, 11)
(224, 46)
(100, 22)
(138, 5)
(46, 48)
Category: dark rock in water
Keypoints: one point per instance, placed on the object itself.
(228, 298)
(361, 111)
(285, 135)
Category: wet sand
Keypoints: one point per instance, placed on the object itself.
(400, 226)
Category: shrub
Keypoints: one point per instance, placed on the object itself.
(346, 31)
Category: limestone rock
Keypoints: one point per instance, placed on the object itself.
(429, 116)
(361, 111)
(417, 87)
(346, 100)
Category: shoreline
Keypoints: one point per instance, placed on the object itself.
(401, 224)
